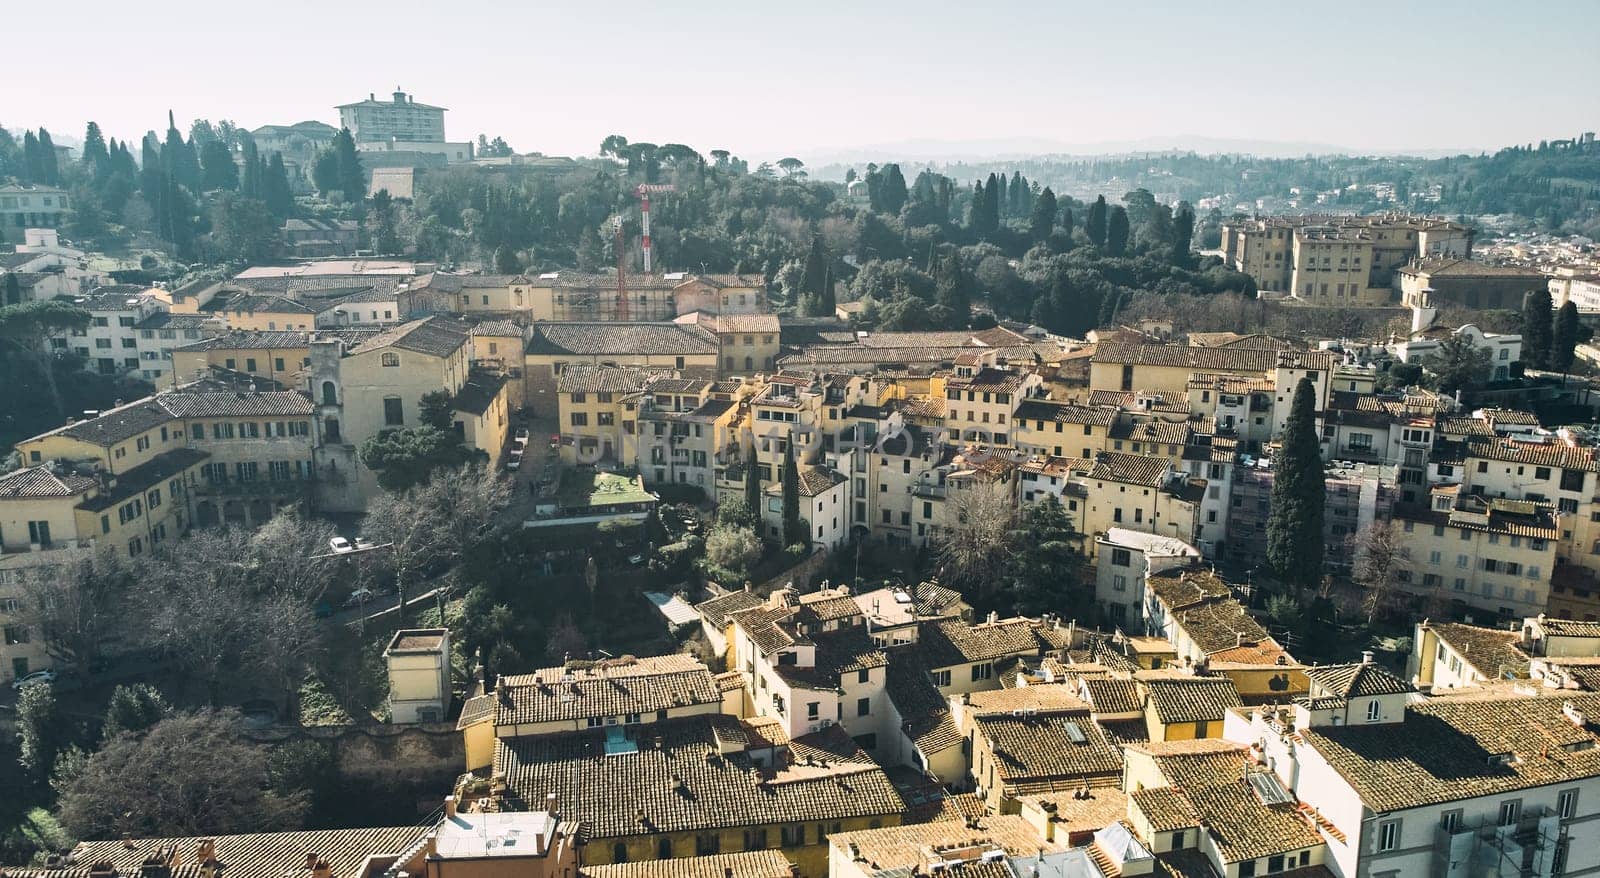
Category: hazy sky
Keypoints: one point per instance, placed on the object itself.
(763, 78)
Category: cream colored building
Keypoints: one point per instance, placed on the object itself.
(1491, 555)
(419, 675)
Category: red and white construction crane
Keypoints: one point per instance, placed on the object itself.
(644, 190)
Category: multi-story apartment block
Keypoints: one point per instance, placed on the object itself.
(1145, 494)
(1367, 760)
(981, 399)
(552, 347)
(1453, 281)
(1493, 555)
(110, 343)
(24, 207)
(1126, 559)
(377, 382)
(400, 124)
(1286, 254)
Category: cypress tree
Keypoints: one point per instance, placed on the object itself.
(1117, 231)
(1043, 222)
(95, 155)
(1066, 222)
(1095, 227)
(752, 490)
(1564, 343)
(275, 190)
(217, 168)
(794, 530)
(49, 168)
(352, 177)
(31, 170)
(816, 270)
(975, 218)
(250, 178)
(1299, 494)
(995, 196)
(1017, 192)
(953, 291)
(1002, 197)
(892, 197)
(1182, 233)
(1536, 328)
(178, 157)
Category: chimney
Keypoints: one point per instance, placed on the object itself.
(1366, 656)
(322, 870)
(1238, 638)
(449, 807)
(206, 850)
(552, 804)
(993, 617)
(311, 860)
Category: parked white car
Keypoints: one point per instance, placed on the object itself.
(35, 677)
(340, 545)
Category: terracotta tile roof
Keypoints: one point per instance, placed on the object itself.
(497, 328)
(1188, 588)
(434, 337)
(1196, 699)
(1157, 431)
(1112, 695)
(685, 783)
(1064, 413)
(1196, 358)
(117, 425)
(480, 708)
(1243, 827)
(1132, 469)
(1354, 681)
(1160, 400)
(988, 379)
(614, 687)
(924, 713)
(1075, 811)
(747, 864)
(1450, 749)
(1488, 650)
(1207, 762)
(717, 610)
(1516, 518)
(40, 481)
(816, 480)
(1048, 747)
(479, 392)
(1165, 808)
(620, 339)
(145, 476)
(894, 850)
(585, 378)
(1219, 625)
(285, 403)
(950, 642)
(1539, 454)
(1569, 628)
(261, 854)
(1039, 697)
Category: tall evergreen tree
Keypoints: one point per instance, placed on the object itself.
(178, 158)
(96, 157)
(275, 189)
(1095, 225)
(1002, 198)
(1117, 231)
(32, 171)
(1066, 222)
(250, 175)
(1299, 494)
(1043, 222)
(975, 219)
(953, 290)
(49, 167)
(149, 172)
(1565, 338)
(352, 176)
(893, 195)
(816, 270)
(217, 168)
(994, 198)
(794, 529)
(752, 489)
(1017, 194)
(1182, 234)
(1537, 333)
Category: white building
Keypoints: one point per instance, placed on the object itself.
(1126, 559)
(110, 343)
(400, 125)
(1486, 786)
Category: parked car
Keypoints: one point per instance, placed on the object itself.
(360, 596)
(514, 461)
(521, 436)
(35, 677)
(340, 545)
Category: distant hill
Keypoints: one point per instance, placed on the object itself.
(925, 150)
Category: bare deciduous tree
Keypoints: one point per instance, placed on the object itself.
(1373, 552)
(977, 536)
(438, 521)
(76, 605)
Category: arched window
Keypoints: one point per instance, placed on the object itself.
(330, 393)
